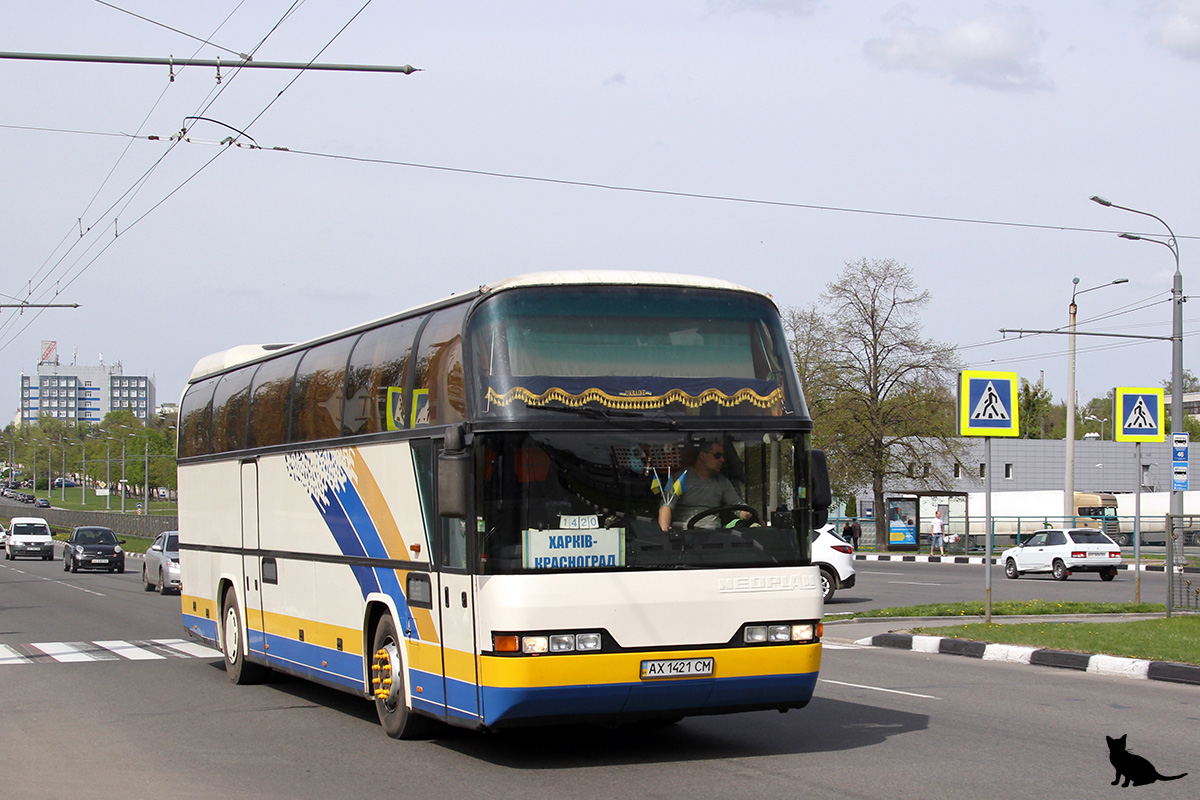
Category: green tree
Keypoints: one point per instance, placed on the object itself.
(1036, 406)
(884, 405)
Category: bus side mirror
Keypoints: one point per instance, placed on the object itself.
(454, 471)
(822, 496)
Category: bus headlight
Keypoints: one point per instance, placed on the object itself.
(755, 634)
(782, 633)
(562, 642)
(779, 633)
(535, 644)
(587, 641)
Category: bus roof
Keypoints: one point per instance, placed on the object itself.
(604, 277)
(242, 354)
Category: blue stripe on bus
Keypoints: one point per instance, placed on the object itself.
(206, 629)
(356, 535)
(506, 704)
(340, 667)
(364, 527)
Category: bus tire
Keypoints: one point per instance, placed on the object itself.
(387, 686)
(233, 639)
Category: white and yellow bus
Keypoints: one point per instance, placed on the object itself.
(454, 511)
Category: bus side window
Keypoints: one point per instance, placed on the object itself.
(269, 401)
(229, 410)
(375, 383)
(439, 391)
(319, 393)
(195, 419)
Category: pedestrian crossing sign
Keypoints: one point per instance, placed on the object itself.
(987, 403)
(1139, 415)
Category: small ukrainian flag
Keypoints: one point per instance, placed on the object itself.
(674, 487)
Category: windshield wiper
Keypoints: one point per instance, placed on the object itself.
(586, 411)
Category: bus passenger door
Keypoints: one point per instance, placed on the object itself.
(455, 598)
(251, 590)
(456, 602)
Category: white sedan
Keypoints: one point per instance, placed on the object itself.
(1062, 552)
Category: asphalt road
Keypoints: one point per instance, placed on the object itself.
(887, 584)
(885, 723)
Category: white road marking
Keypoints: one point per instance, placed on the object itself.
(61, 651)
(129, 651)
(916, 583)
(10, 656)
(880, 689)
(107, 650)
(188, 648)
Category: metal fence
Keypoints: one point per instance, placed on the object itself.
(144, 526)
(1183, 584)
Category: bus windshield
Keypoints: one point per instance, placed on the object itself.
(590, 501)
(632, 349)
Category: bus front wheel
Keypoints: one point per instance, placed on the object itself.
(233, 637)
(387, 685)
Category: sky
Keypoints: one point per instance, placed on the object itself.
(767, 142)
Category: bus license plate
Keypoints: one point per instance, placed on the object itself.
(677, 668)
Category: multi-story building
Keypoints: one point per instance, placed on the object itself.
(76, 393)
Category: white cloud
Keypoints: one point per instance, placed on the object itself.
(1181, 32)
(997, 49)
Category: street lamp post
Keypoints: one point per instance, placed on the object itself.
(83, 477)
(107, 473)
(1094, 418)
(1069, 472)
(1177, 300)
(146, 477)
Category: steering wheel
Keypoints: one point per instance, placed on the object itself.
(708, 512)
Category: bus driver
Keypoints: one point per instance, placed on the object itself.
(699, 488)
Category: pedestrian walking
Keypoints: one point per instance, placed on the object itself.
(937, 527)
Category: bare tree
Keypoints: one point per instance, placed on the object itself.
(884, 405)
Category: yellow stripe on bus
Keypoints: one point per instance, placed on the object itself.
(602, 668)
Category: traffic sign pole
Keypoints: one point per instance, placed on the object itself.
(987, 403)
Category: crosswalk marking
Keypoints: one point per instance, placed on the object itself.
(62, 651)
(130, 651)
(187, 648)
(10, 656)
(105, 650)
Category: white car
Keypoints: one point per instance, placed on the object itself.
(1062, 552)
(835, 557)
(160, 570)
(29, 536)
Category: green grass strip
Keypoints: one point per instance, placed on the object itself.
(1174, 638)
(1009, 608)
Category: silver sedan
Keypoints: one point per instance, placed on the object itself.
(161, 567)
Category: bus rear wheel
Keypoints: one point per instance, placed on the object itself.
(233, 637)
(387, 685)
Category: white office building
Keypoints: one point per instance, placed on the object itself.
(75, 393)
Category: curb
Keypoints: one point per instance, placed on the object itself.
(922, 559)
(1018, 654)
